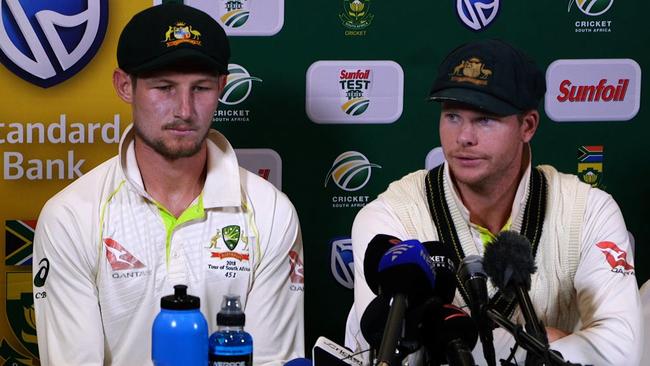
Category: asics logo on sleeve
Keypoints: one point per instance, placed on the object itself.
(41, 274)
(120, 258)
(614, 255)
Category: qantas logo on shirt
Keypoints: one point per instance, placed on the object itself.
(616, 257)
(297, 271)
(119, 258)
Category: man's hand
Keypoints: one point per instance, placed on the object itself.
(554, 334)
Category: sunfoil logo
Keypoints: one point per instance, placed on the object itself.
(350, 171)
(353, 86)
(477, 14)
(591, 7)
(238, 85)
(237, 12)
(48, 42)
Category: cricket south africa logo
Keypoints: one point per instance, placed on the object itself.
(238, 85)
(48, 42)
(477, 14)
(236, 12)
(350, 171)
(354, 84)
(591, 7)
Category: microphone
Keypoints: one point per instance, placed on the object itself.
(445, 270)
(509, 264)
(405, 270)
(474, 278)
(448, 334)
(374, 252)
(328, 353)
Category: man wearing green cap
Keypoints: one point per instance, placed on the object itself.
(584, 289)
(172, 208)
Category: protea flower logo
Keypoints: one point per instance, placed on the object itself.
(592, 7)
(236, 13)
(353, 86)
(477, 14)
(350, 171)
(238, 85)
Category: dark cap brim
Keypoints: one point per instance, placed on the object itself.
(179, 58)
(476, 99)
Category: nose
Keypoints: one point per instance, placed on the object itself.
(184, 100)
(467, 134)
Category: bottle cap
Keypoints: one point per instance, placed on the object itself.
(180, 300)
(231, 313)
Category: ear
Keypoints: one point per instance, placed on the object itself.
(222, 83)
(123, 85)
(529, 123)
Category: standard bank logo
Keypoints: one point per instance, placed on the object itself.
(48, 42)
(350, 171)
(243, 17)
(477, 14)
(342, 261)
(238, 85)
(593, 90)
(591, 7)
(354, 92)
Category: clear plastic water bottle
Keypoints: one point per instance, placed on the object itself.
(230, 345)
(180, 332)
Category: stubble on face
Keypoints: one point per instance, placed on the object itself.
(182, 150)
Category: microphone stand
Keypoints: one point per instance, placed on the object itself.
(528, 342)
(386, 355)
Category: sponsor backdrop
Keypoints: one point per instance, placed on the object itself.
(326, 100)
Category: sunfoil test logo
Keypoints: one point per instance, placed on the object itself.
(236, 12)
(477, 14)
(353, 86)
(239, 85)
(48, 42)
(368, 92)
(243, 17)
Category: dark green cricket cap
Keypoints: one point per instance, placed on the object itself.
(172, 34)
(490, 75)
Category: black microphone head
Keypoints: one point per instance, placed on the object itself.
(376, 249)
(373, 320)
(445, 324)
(444, 268)
(508, 261)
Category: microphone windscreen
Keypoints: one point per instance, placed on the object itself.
(508, 261)
(444, 324)
(373, 320)
(408, 269)
(376, 249)
(444, 268)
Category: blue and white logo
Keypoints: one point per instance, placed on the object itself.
(477, 14)
(342, 261)
(47, 42)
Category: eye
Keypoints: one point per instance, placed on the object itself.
(452, 117)
(163, 87)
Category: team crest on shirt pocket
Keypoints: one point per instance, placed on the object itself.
(229, 252)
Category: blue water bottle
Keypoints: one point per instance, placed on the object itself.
(180, 332)
(230, 344)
